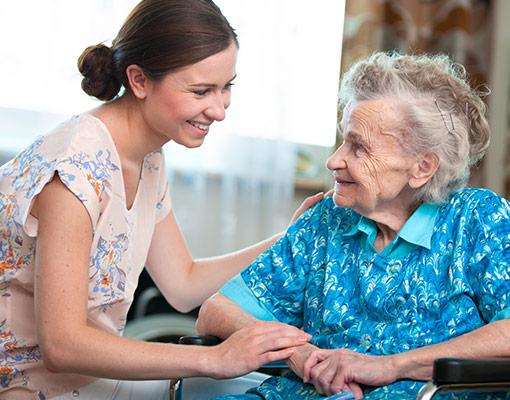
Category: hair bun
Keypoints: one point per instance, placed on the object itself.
(96, 66)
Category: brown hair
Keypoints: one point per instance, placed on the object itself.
(159, 36)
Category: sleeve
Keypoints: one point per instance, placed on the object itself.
(85, 175)
(237, 291)
(277, 279)
(489, 260)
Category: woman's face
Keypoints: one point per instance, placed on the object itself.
(183, 105)
(371, 169)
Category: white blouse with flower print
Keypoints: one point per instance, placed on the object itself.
(83, 154)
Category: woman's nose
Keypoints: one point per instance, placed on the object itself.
(337, 160)
(219, 103)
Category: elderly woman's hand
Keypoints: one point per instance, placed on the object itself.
(297, 360)
(335, 371)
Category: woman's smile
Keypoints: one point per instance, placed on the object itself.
(200, 127)
(341, 183)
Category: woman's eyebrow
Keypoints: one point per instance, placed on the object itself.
(356, 137)
(210, 85)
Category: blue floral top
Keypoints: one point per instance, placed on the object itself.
(318, 277)
(83, 154)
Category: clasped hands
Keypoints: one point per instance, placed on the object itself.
(335, 371)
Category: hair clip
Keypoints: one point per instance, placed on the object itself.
(444, 121)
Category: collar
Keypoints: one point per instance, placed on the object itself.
(417, 231)
(419, 227)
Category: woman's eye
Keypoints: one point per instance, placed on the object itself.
(201, 92)
(228, 86)
(357, 147)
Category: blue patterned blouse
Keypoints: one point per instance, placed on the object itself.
(320, 278)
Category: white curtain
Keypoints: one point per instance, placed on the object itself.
(240, 183)
(231, 192)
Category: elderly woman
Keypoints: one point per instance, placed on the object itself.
(403, 265)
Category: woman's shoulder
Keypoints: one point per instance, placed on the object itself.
(81, 131)
(477, 206)
(478, 198)
(327, 213)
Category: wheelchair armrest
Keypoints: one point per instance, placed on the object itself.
(453, 375)
(454, 370)
(200, 340)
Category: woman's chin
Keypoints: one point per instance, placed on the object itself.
(340, 201)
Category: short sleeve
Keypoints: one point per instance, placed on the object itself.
(85, 174)
(237, 291)
(88, 176)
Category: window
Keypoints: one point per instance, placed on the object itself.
(288, 66)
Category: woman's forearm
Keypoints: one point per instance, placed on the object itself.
(489, 341)
(221, 317)
(219, 270)
(96, 353)
(186, 283)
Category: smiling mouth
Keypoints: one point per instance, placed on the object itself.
(199, 125)
(342, 184)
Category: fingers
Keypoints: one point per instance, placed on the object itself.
(313, 359)
(278, 355)
(274, 341)
(259, 344)
(356, 389)
(322, 376)
(305, 205)
(312, 200)
(329, 193)
(279, 330)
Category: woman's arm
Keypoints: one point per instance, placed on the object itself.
(219, 316)
(187, 283)
(69, 344)
(332, 371)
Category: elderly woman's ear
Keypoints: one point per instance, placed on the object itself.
(423, 169)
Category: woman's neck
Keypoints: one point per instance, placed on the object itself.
(389, 225)
(128, 130)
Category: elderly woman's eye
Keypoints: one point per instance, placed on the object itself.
(357, 147)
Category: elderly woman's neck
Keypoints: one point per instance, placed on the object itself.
(389, 225)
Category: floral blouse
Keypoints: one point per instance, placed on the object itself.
(83, 154)
(319, 278)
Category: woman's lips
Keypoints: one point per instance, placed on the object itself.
(202, 129)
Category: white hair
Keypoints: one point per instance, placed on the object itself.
(442, 114)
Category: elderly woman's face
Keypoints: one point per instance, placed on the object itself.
(371, 169)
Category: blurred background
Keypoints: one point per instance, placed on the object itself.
(257, 166)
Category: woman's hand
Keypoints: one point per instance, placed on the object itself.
(251, 347)
(308, 203)
(335, 371)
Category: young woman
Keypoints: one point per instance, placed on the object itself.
(86, 207)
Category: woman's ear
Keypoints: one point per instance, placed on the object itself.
(138, 82)
(423, 170)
